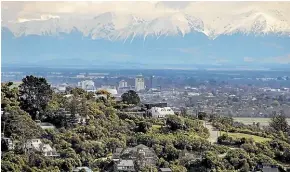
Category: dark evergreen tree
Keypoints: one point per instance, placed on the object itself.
(35, 94)
(131, 97)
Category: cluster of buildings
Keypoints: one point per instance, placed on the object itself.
(39, 146)
(236, 101)
(123, 86)
(154, 110)
(127, 159)
(227, 99)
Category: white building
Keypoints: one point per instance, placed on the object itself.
(139, 83)
(45, 125)
(33, 144)
(158, 112)
(123, 84)
(37, 145)
(87, 85)
(87, 169)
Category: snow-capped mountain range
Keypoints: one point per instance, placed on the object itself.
(161, 34)
(126, 27)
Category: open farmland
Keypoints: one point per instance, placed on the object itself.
(262, 121)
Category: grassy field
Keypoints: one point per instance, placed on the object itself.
(242, 135)
(262, 121)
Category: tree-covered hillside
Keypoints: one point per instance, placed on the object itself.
(88, 130)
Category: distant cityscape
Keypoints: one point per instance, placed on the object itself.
(237, 94)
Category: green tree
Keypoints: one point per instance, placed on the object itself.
(9, 95)
(143, 126)
(178, 168)
(279, 122)
(201, 115)
(78, 91)
(131, 97)
(275, 103)
(4, 145)
(149, 168)
(174, 122)
(35, 93)
(19, 125)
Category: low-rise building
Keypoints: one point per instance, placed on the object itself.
(37, 145)
(126, 165)
(165, 170)
(132, 153)
(78, 169)
(45, 125)
(158, 112)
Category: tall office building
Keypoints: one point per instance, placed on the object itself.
(153, 81)
(123, 84)
(139, 83)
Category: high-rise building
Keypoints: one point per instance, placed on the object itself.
(123, 84)
(139, 83)
(87, 85)
(153, 82)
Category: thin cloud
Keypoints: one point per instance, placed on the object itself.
(280, 60)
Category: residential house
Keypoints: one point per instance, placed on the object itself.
(37, 145)
(267, 168)
(87, 169)
(126, 165)
(158, 112)
(165, 170)
(270, 169)
(136, 153)
(45, 125)
(76, 119)
(49, 151)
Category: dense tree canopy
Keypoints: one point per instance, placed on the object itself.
(279, 122)
(34, 94)
(179, 142)
(9, 96)
(131, 97)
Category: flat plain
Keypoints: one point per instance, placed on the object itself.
(262, 121)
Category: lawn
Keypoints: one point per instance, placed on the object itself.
(242, 135)
(262, 121)
(156, 126)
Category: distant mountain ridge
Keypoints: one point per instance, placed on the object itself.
(107, 25)
(172, 51)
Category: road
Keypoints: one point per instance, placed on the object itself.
(214, 134)
(212, 131)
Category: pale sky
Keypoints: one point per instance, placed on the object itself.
(27, 11)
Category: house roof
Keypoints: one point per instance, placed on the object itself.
(165, 170)
(87, 169)
(141, 146)
(118, 150)
(126, 163)
(269, 169)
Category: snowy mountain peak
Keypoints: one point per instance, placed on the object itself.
(119, 25)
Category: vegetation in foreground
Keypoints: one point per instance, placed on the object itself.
(180, 142)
